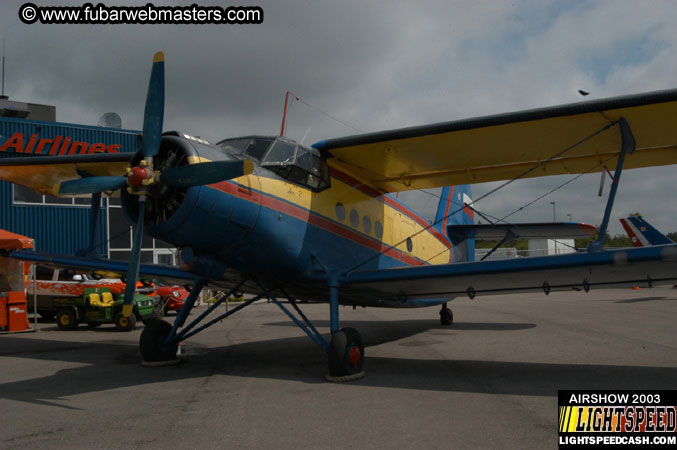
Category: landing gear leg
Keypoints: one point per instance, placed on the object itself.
(446, 316)
(346, 350)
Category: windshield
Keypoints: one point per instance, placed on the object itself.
(299, 164)
(254, 147)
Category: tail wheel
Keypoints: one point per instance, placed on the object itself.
(151, 345)
(123, 323)
(346, 353)
(66, 319)
(446, 316)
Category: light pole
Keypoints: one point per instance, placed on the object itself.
(554, 216)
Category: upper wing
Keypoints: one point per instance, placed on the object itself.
(43, 173)
(505, 146)
(416, 286)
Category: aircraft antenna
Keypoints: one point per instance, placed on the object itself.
(297, 98)
(284, 114)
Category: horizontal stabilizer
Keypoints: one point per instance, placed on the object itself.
(545, 230)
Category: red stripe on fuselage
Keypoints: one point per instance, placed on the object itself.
(352, 182)
(305, 215)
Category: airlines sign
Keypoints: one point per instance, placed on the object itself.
(60, 145)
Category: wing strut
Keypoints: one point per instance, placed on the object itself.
(508, 235)
(628, 146)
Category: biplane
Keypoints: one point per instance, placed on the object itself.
(268, 216)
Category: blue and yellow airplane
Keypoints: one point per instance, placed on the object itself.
(268, 216)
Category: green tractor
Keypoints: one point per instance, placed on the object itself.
(98, 306)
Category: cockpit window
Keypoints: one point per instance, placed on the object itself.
(281, 152)
(257, 147)
(299, 164)
(253, 147)
(236, 146)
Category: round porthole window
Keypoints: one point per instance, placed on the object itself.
(354, 218)
(378, 229)
(366, 224)
(340, 212)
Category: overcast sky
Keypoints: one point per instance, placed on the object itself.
(373, 66)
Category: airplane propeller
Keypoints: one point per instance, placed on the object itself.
(138, 178)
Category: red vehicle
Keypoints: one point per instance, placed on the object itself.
(172, 298)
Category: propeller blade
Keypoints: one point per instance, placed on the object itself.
(89, 185)
(134, 262)
(205, 173)
(155, 106)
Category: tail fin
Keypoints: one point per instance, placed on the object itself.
(641, 233)
(452, 210)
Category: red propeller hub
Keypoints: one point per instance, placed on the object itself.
(136, 177)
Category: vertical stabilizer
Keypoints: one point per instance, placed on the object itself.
(452, 210)
(642, 233)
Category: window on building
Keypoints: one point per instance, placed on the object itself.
(121, 238)
(26, 196)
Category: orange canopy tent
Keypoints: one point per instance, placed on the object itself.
(13, 241)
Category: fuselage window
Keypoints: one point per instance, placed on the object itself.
(366, 224)
(378, 229)
(354, 218)
(410, 245)
(340, 212)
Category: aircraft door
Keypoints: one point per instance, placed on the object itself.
(244, 213)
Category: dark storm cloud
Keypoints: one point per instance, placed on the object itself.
(373, 65)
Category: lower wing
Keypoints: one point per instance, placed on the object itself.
(421, 285)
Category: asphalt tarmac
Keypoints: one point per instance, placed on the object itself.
(255, 381)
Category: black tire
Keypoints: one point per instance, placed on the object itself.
(93, 324)
(66, 319)
(123, 323)
(47, 315)
(346, 353)
(150, 342)
(446, 317)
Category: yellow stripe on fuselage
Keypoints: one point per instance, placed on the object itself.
(396, 225)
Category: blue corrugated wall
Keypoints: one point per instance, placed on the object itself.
(58, 229)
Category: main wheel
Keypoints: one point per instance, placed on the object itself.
(123, 323)
(446, 316)
(346, 353)
(151, 346)
(66, 319)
